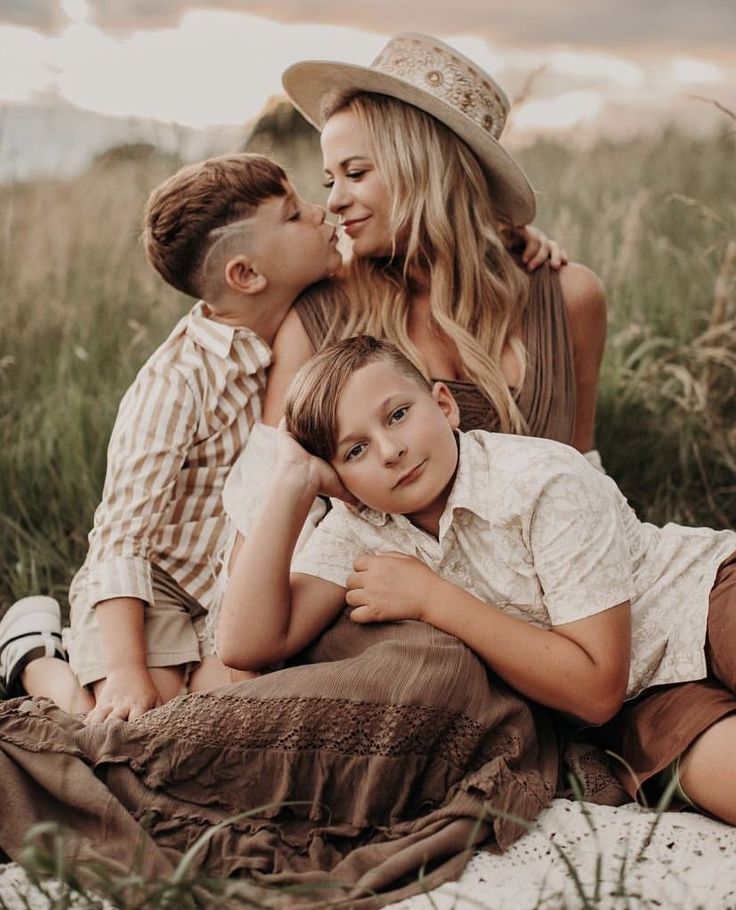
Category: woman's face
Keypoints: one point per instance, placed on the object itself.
(358, 193)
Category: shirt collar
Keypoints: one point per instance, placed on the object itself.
(466, 492)
(217, 338)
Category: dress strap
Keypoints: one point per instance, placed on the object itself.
(547, 398)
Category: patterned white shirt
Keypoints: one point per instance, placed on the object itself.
(534, 529)
(180, 428)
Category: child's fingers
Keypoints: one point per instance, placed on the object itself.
(365, 614)
(539, 258)
(355, 597)
(98, 714)
(557, 256)
(532, 242)
(362, 562)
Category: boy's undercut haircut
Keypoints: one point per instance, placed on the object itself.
(314, 393)
(182, 212)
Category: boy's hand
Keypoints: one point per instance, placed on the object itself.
(126, 693)
(294, 462)
(539, 248)
(387, 587)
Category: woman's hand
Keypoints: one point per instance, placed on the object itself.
(293, 461)
(387, 587)
(538, 248)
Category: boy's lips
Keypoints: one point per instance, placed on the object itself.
(410, 476)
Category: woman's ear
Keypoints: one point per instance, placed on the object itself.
(242, 277)
(447, 404)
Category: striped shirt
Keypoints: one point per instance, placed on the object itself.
(179, 429)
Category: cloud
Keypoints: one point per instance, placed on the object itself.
(604, 23)
(43, 15)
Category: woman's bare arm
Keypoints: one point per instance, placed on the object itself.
(585, 301)
(291, 349)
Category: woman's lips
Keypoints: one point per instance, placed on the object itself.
(353, 225)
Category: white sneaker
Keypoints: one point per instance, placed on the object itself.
(31, 628)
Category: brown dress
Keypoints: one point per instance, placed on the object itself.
(547, 397)
(389, 751)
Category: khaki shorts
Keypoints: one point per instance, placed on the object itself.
(174, 630)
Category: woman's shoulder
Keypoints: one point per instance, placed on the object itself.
(583, 294)
(320, 309)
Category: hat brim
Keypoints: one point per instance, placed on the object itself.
(308, 83)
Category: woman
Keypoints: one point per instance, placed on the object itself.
(426, 195)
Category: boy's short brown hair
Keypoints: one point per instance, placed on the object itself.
(182, 212)
(314, 393)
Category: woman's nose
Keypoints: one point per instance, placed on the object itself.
(338, 198)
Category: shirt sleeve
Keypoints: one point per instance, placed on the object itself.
(250, 477)
(249, 480)
(330, 550)
(578, 544)
(153, 434)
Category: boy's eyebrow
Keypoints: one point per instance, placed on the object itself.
(288, 199)
(386, 405)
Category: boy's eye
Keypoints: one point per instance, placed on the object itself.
(296, 216)
(353, 452)
(399, 414)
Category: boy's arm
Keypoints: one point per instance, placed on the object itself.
(252, 473)
(576, 539)
(128, 690)
(581, 667)
(152, 436)
(267, 612)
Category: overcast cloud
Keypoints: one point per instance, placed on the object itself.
(692, 25)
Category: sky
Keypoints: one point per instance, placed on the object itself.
(583, 65)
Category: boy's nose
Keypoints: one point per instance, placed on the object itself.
(392, 450)
(319, 213)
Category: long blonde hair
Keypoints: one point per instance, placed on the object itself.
(442, 210)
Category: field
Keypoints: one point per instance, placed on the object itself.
(655, 217)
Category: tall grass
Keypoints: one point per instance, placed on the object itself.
(655, 217)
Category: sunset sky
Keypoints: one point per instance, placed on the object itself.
(600, 64)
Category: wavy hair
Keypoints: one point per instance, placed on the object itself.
(442, 211)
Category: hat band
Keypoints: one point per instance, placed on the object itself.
(448, 78)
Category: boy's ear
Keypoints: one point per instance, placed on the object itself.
(241, 276)
(447, 404)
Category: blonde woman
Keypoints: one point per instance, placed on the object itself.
(428, 196)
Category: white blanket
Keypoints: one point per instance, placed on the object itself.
(626, 856)
(683, 861)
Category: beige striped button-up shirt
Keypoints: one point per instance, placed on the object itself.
(179, 429)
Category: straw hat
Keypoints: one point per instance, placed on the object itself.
(432, 76)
